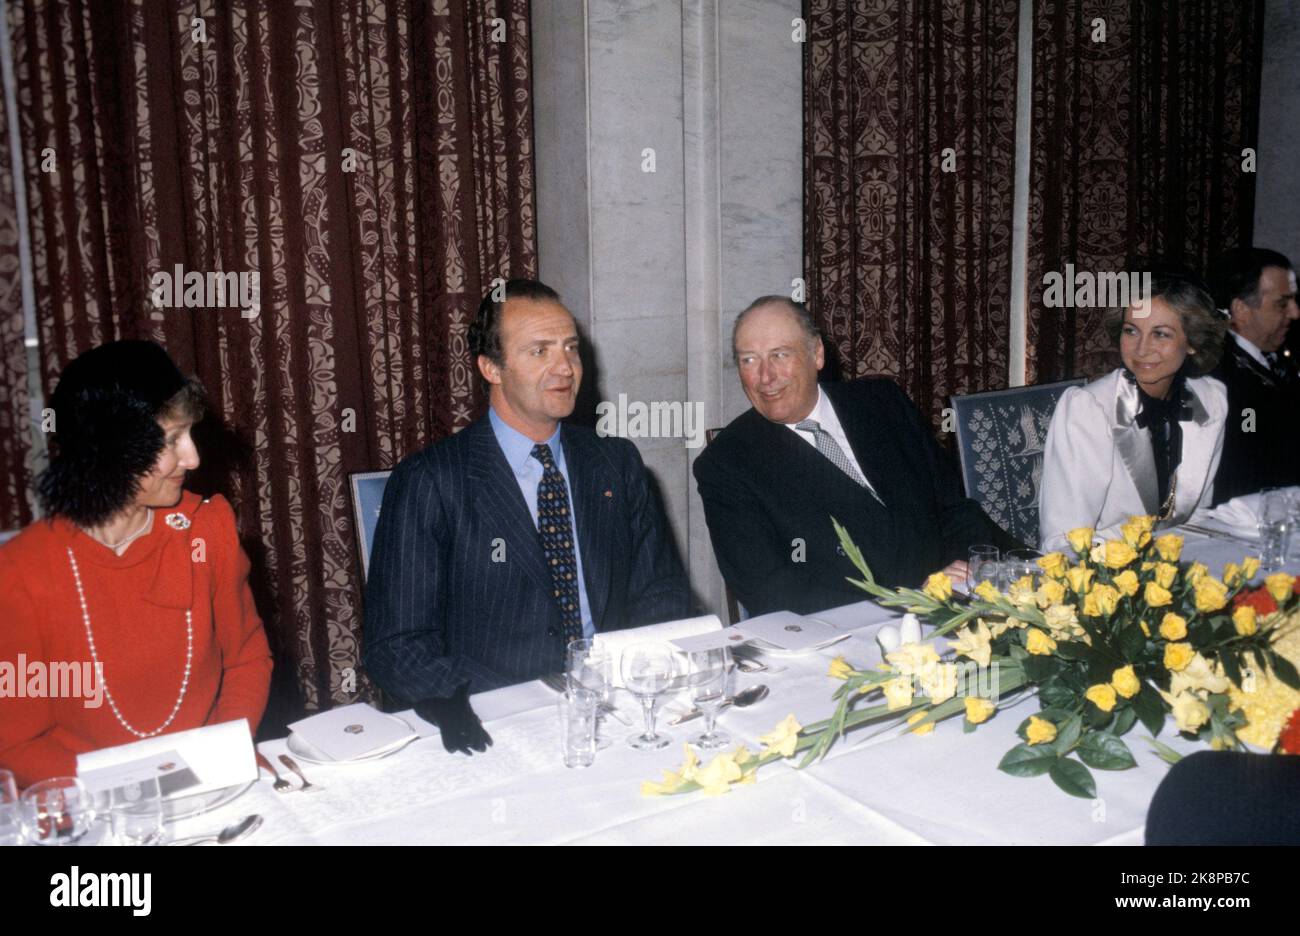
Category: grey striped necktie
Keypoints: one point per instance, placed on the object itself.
(827, 445)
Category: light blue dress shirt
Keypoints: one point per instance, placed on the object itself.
(518, 449)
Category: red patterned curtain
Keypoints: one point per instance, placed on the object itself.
(1142, 111)
(909, 151)
(372, 161)
(16, 466)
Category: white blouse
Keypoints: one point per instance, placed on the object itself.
(1098, 466)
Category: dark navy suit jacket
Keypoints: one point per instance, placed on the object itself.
(764, 489)
(459, 591)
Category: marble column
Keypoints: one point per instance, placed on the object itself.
(669, 184)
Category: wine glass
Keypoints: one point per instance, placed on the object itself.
(588, 668)
(1018, 563)
(982, 566)
(137, 813)
(1274, 527)
(57, 812)
(710, 682)
(648, 670)
(11, 830)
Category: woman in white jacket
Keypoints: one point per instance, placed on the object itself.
(1146, 438)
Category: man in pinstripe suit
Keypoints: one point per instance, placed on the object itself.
(476, 580)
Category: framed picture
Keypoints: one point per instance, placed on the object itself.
(367, 498)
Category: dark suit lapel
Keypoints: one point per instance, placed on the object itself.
(872, 458)
(498, 496)
(799, 459)
(589, 479)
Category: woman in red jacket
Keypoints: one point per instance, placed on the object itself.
(126, 612)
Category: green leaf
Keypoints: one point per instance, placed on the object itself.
(1054, 693)
(1132, 643)
(1284, 670)
(1067, 734)
(1038, 668)
(1231, 667)
(1123, 721)
(1150, 709)
(1025, 761)
(1165, 752)
(1072, 650)
(1105, 752)
(1073, 778)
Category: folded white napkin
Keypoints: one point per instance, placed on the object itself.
(352, 731)
(1241, 514)
(615, 642)
(220, 755)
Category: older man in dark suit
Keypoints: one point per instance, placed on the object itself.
(859, 451)
(1257, 288)
(497, 546)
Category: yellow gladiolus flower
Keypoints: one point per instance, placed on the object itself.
(1156, 596)
(1050, 592)
(784, 737)
(988, 591)
(1038, 643)
(916, 717)
(1053, 564)
(1101, 601)
(1080, 539)
(1169, 547)
(1101, 695)
(720, 773)
(840, 668)
(1117, 554)
(1199, 675)
(1249, 566)
(973, 642)
(1211, 595)
(1279, 585)
(1165, 574)
(1040, 731)
(979, 710)
(1080, 578)
(898, 692)
(912, 658)
(1127, 583)
(938, 586)
(1126, 682)
(1173, 627)
(1178, 655)
(1243, 619)
(939, 682)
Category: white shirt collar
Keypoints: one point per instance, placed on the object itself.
(1250, 348)
(819, 412)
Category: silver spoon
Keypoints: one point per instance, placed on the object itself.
(231, 833)
(739, 700)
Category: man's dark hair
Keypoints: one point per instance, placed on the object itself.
(1235, 275)
(485, 330)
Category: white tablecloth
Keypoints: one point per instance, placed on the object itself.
(943, 788)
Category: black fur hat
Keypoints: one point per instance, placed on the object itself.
(106, 432)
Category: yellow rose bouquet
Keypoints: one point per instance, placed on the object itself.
(1123, 633)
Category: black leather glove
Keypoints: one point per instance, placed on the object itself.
(460, 727)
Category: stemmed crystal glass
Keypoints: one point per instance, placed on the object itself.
(649, 670)
(1274, 527)
(57, 812)
(982, 566)
(11, 829)
(588, 668)
(710, 681)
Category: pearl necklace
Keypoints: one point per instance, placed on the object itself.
(94, 657)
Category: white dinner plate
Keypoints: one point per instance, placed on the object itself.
(176, 808)
(304, 750)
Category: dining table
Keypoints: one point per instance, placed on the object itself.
(876, 785)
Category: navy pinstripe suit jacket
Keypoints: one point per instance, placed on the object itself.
(441, 612)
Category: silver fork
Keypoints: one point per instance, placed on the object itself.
(281, 785)
(307, 785)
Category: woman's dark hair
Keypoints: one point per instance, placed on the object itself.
(485, 330)
(1204, 326)
(107, 405)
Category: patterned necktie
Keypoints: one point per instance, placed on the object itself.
(556, 531)
(827, 445)
(1277, 364)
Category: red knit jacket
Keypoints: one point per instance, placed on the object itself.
(137, 604)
